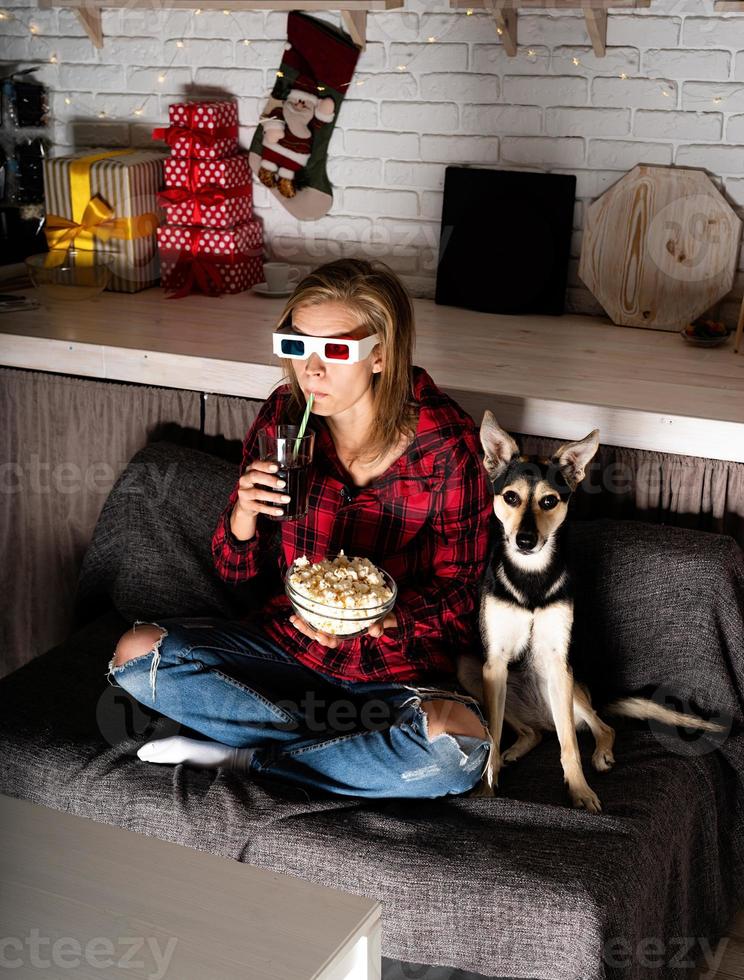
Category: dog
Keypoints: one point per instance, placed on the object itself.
(526, 618)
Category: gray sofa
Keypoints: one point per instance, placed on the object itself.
(516, 886)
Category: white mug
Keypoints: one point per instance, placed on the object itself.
(277, 275)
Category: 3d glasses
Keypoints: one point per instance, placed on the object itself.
(335, 350)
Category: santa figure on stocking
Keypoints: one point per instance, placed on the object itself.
(288, 132)
(289, 149)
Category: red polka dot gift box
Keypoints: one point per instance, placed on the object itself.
(210, 260)
(216, 193)
(202, 130)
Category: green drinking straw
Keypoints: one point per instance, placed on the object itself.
(303, 424)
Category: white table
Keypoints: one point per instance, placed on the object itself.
(87, 900)
(547, 376)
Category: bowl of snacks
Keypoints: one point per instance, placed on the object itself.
(70, 274)
(342, 596)
(706, 332)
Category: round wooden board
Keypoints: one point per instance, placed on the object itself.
(660, 247)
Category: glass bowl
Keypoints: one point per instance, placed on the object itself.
(343, 622)
(70, 274)
(703, 338)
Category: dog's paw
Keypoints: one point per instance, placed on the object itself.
(509, 756)
(603, 759)
(585, 797)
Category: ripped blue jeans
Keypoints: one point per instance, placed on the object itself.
(231, 682)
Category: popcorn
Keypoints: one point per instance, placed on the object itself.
(353, 585)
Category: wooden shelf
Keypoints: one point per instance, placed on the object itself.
(728, 7)
(557, 376)
(353, 12)
(506, 12)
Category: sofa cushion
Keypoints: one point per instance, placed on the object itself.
(151, 547)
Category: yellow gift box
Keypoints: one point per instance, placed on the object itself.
(106, 201)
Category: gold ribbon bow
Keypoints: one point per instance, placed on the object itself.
(98, 221)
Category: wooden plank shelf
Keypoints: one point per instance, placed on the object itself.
(556, 376)
(353, 12)
(506, 12)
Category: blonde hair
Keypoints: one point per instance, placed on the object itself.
(373, 292)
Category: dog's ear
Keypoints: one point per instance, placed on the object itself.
(498, 446)
(572, 458)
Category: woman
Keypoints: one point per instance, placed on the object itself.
(396, 478)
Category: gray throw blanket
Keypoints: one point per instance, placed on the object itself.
(517, 886)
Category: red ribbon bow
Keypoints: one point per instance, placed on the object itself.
(206, 136)
(198, 197)
(196, 269)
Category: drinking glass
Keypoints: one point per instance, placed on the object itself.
(281, 446)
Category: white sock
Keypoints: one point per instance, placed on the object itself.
(207, 754)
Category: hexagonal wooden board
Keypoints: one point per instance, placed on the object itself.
(660, 247)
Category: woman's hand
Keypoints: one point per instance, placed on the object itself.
(329, 640)
(260, 491)
(377, 629)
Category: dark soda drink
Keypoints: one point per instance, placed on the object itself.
(293, 455)
(297, 483)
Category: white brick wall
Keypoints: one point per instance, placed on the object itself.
(421, 106)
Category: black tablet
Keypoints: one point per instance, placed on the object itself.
(505, 240)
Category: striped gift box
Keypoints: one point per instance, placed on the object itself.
(128, 181)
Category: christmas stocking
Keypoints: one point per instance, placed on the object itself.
(290, 146)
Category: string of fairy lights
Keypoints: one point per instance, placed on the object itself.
(666, 87)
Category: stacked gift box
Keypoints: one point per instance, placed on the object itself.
(211, 242)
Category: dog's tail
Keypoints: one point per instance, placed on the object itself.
(647, 709)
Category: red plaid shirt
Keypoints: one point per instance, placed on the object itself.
(425, 520)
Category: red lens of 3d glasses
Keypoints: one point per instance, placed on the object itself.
(337, 352)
